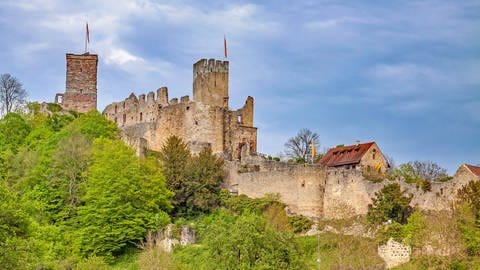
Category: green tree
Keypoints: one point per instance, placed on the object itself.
(389, 203)
(13, 131)
(247, 241)
(195, 180)
(204, 177)
(422, 171)
(469, 216)
(174, 158)
(70, 163)
(15, 250)
(124, 198)
(470, 194)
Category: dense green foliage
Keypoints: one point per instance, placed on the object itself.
(469, 221)
(412, 233)
(195, 180)
(74, 196)
(245, 241)
(123, 199)
(389, 204)
(270, 207)
(421, 173)
(70, 189)
(15, 232)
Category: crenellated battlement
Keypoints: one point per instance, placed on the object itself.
(211, 65)
(210, 82)
(204, 119)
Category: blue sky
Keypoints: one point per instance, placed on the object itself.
(405, 74)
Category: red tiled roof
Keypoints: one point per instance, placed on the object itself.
(345, 155)
(474, 169)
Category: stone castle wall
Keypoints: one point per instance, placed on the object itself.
(317, 192)
(204, 121)
(347, 193)
(300, 187)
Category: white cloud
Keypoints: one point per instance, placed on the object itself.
(118, 56)
(402, 72)
(342, 20)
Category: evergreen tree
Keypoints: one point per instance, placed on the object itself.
(194, 180)
(389, 203)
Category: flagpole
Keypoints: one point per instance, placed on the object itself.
(87, 37)
(225, 46)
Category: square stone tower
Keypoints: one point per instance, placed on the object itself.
(81, 83)
(210, 82)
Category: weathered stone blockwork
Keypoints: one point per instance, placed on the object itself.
(204, 121)
(81, 83)
(301, 187)
(319, 192)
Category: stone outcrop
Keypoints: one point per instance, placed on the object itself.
(169, 241)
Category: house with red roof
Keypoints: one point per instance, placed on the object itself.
(474, 170)
(467, 173)
(361, 156)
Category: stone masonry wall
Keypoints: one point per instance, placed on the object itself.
(299, 186)
(210, 82)
(373, 159)
(81, 83)
(347, 193)
(443, 194)
(318, 192)
(205, 121)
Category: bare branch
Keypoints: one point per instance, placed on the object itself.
(300, 146)
(12, 94)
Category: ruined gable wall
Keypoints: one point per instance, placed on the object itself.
(299, 186)
(443, 194)
(372, 157)
(241, 131)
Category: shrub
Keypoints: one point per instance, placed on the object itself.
(300, 224)
(92, 263)
(426, 185)
(389, 203)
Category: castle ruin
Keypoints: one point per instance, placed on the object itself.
(81, 83)
(206, 120)
(336, 187)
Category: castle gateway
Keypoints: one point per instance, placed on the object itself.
(204, 121)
